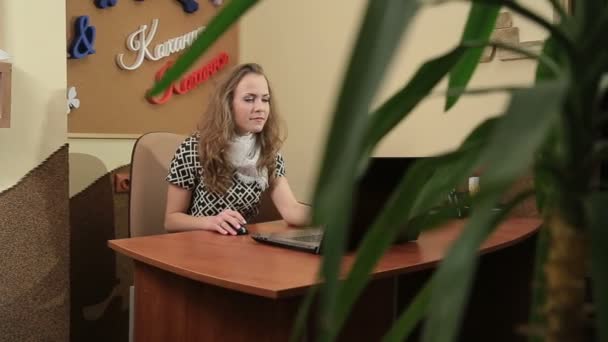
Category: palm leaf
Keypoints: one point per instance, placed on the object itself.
(596, 36)
(433, 177)
(545, 184)
(539, 292)
(395, 109)
(598, 230)
(559, 32)
(382, 28)
(456, 272)
(414, 313)
(600, 151)
(559, 8)
(405, 324)
(299, 326)
(531, 113)
(461, 164)
(589, 12)
(218, 25)
(544, 179)
(479, 26)
(549, 63)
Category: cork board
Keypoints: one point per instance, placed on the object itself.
(108, 100)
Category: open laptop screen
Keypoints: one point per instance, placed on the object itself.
(370, 196)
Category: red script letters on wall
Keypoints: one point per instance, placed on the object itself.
(190, 81)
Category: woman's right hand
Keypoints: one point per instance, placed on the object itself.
(225, 222)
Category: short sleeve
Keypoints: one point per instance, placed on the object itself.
(280, 170)
(183, 169)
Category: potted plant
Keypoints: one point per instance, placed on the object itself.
(557, 122)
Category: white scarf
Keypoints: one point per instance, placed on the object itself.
(243, 154)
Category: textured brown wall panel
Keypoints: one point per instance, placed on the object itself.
(34, 240)
(99, 280)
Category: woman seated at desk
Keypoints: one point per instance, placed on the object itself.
(218, 173)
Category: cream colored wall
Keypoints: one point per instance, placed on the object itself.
(36, 40)
(34, 34)
(107, 154)
(304, 46)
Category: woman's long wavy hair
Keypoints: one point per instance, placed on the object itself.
(217, 128)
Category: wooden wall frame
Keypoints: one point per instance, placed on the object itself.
(5, 94)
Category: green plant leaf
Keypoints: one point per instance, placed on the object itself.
(419, 306)
(552, 51)
(383, 25)
(479, 26)
(598, 235)
(600, 151)
(219, 24)
(542, 72)
(461, 164)
(556, 31)
(539, 290)
(544, 177)
(559, 32)
(455, 275)
(559, 8)
(406, 323)
(299, 326)
(590, 11)
(380, 236)
(382, 233)
(530, 116)
(595, 37)
(542, 59)
(395, 109)
(433, 177)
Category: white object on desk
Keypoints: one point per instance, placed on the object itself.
(473, 185)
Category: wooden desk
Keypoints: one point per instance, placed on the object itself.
(202, 286)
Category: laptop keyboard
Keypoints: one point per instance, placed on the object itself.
(308, 238)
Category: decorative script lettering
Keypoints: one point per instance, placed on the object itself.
(139, 42)
(190, 81)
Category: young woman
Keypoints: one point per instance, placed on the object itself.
(218, 174)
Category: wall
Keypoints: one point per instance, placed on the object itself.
(36, 41)
(34, 228)
(109, 154)
(306, 57)
(305, 60)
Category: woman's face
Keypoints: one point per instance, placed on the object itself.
(251, 104)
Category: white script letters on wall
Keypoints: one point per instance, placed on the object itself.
(140, 40)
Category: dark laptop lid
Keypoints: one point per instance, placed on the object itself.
(372, 193)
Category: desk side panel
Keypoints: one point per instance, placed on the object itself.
(174, 308)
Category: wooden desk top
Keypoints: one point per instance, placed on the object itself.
(242, 264)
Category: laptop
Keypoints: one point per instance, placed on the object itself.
(371, 195)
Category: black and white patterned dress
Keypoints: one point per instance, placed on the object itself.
(185, 171)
